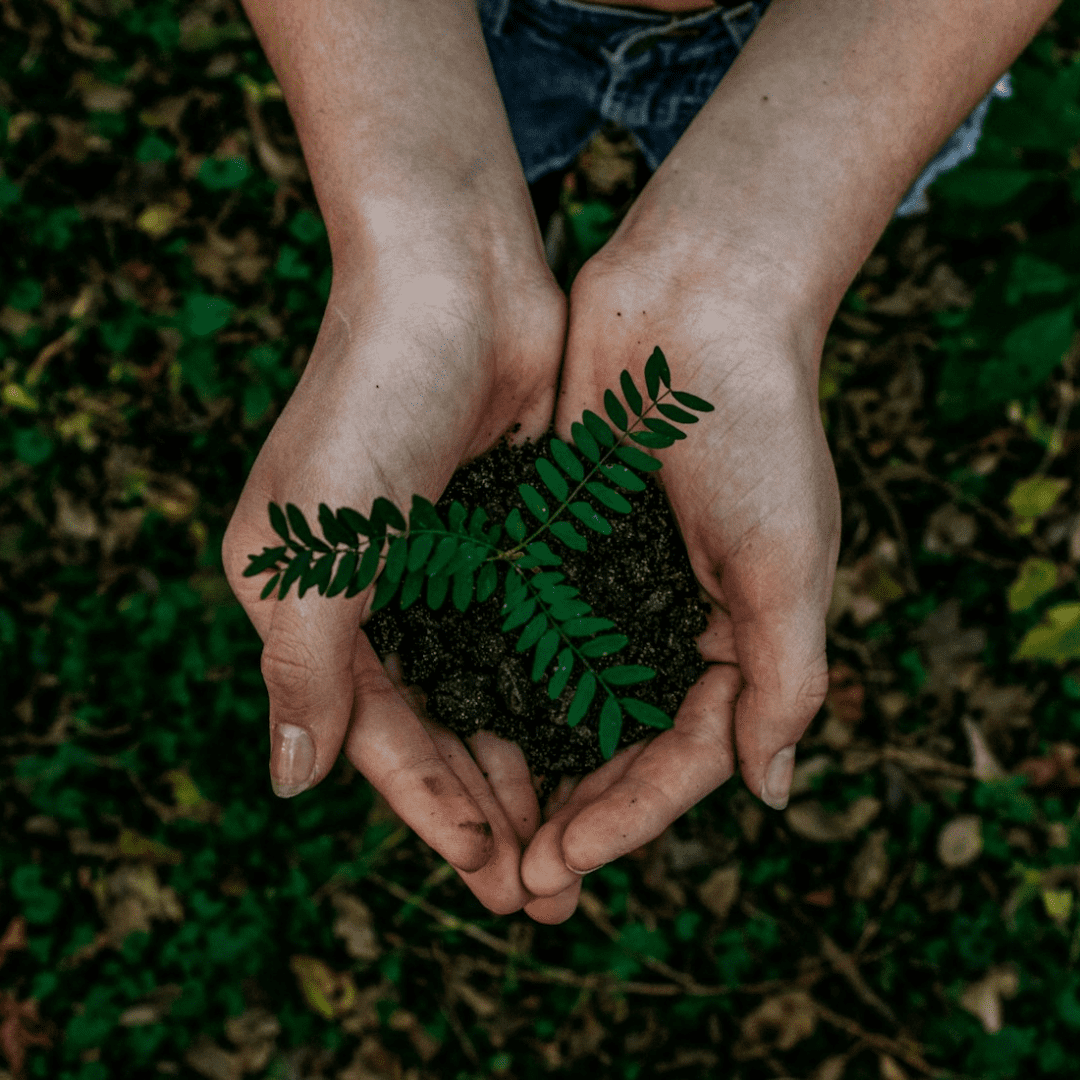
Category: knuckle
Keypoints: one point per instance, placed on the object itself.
(290, 672)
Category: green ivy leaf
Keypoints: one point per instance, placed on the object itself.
(547, 584)
(267, 559)
(691, 401)
(535, 502)
(615, 410)
(610, 728)
(318, 574)
(598, 428)
(369, 566)
(631, 393)
(545, 650)
(278, 522)
(582, 699)
(569, 535)
(585, 442)
(515, 526)
(651, 438)
(672, 412)
(604, 646)
(553, 480)
(292, 572)
(656, 368)
(268, 588)
(395, 560)
(538, 554)
(420, 550)
(437, 587)
(458, 514)
(334, 532)
(446, 550)
(463, 590)
(586, 514)
(423, 515)
(611, 499)
(624, 477)
(384, 590)
(531, 634)
(645, 713)
(300, 527)
(637, 459)
(383, 513)
(477, 522)
(663, 427)
(346, 569)
(519, 614)
(566, 460)
(486, 582)
(410, 591)
(357, 522)
(569, 609)
(563, 667)
(584, 627)
(625, 674)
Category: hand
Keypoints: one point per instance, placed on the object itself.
(423, 361)
(755, 495)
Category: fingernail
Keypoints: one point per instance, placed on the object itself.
(582, 873)
(776, 786)
(292, 760)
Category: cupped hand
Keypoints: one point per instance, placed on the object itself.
(421, 364)
(755, 496)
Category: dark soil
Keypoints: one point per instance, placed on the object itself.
(639, 577)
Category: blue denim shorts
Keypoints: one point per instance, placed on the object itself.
(567, 69)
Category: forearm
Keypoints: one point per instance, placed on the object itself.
(395, 104)
(797, 162)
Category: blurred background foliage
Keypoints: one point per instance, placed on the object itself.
(912, 913)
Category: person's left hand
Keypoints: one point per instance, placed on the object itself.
(754, 492)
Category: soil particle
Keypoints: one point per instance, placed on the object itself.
(639, 577)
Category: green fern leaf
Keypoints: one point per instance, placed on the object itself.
(569, 535)
(614, 409)
(587, 515)
(582, 699)
(519, 614)
(446, 550)
(468, 557)
(656, 369)
(356, 522)
(292, 572)
(300, 527)
(419, 550)
(410, 591)
(539, 554)
(584, 627)
(652, 439)
(369, 566)
(267, 559)
(569, 609)
(611, 499)
(384, 513)
(598, 428)
(585, 442)
(531, 634)
(604, 646)
(645, 713)
(535, 502)
(458, 514)
(691, 401)
(477, 521)
(611, 721)
(553, 479)
(563, 666)
(463, 590)
(545, 650)
(663, 427)
(566, 460)
(384, 591)
(317, 575)
(437, 586)
(268, 588)
(637, 459)
(672, 412)
(486, 582)
(333, 532)
(395, 560)
(625, 674)
(515, 525)
(624, 477)
(278, 522)
(631, 393)
(344, 573)
(516, 590)
(545, 584)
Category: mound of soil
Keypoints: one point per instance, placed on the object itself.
(639, 577)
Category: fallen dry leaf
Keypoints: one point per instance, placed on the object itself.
(812, 822)
(719, 891)
(213, 1061)
(355, 927)
(983, 998)
(1057, 768)
(984, 766)
(870, 867)
(960, 842)
(782, 1021)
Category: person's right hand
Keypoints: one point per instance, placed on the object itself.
(429, 351)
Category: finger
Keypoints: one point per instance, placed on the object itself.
(677, 769)
(497, 885)
(389, 745)
(543, 870)
(502, 764)
(552, 910)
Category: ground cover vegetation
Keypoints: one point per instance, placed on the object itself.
(912, 913)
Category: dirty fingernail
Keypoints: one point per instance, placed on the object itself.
(292, 760)
(776, 786)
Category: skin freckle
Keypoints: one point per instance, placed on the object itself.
(480, 827)
(433, 785)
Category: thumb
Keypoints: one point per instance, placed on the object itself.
(786, 676)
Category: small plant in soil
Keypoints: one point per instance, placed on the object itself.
(429, 557)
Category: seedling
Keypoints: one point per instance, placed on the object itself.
(463, 561)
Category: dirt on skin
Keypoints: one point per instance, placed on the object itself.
(467, 669)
